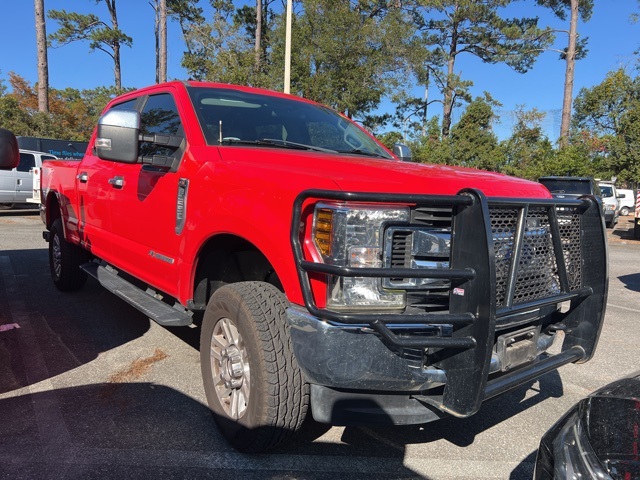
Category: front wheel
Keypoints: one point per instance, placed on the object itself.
(624, 211)
(252, 381)
(64, 260)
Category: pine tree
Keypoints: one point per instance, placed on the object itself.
(105, 37)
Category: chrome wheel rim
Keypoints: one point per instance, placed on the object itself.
(56, 255)
(230, 368)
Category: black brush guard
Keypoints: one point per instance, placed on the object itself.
(474, 313)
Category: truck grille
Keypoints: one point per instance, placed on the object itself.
(536, 274)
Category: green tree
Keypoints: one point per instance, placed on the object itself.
(609, 113)
(584, 155)
(219, 50)
(102, 36)
(432, 147)
(188, 14)
(575, 50)
(473, 141)
(72, 114)
(528, 149)
(450, 28)
(345, 54)
(601, 108)
(625, 146)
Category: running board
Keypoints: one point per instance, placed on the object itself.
(155, 309)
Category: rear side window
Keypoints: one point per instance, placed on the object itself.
(27, 162)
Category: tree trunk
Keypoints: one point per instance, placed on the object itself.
(43, 64)
(569, 74)
(258, 44)
(448, 98)
(156, 30)
(111, 5)
(449, 90)
(163, 41)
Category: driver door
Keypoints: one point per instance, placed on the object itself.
(144, 202)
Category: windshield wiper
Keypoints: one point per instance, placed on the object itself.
(274, 142)
(287, 144)
(367, 153)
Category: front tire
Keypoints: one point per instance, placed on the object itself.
(624, 211)
(252, 381)
(64, 260)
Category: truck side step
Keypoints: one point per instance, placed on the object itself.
(155, 309)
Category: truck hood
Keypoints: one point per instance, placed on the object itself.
(363, 174)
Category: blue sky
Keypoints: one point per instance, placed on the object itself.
(612, 41)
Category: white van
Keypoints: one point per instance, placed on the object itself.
(628, 202)
(16, 186)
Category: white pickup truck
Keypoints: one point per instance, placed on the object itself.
(17, 184)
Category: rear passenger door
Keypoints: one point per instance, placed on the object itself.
(7, 186)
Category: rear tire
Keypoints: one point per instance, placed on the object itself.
(64, 260)
(252, 381)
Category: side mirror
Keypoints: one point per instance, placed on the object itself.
(9, 151)
(621, 195)
(403, 152)
(118, 136)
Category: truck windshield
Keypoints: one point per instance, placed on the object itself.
(606, 191)
(236, 118)
(572, 187)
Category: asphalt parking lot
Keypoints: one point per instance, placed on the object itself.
(90, 388)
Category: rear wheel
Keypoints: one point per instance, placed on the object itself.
(64, 260)
(253, 384)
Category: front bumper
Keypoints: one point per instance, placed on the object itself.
(610, 217)
(454, 360)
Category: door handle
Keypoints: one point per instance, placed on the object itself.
(116, 182)
(83, 177)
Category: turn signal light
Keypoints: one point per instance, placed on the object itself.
(323, 230)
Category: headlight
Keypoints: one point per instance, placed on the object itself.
(610, 207)
(351, 236)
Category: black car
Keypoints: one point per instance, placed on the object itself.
(570, 187)
(599, 438)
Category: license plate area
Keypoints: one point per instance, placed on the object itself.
(517, 348)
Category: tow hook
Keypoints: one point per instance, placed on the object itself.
(555, 327)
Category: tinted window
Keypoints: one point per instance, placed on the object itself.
(128, 105)
(27, 162)
(160, 116)
(574, 187)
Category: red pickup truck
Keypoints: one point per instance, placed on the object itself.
(325, 272)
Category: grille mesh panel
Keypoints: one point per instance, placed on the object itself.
(537, 272)
(569, 225)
